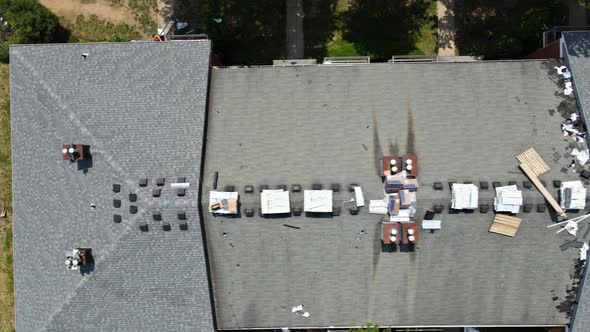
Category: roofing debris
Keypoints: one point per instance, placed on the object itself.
(567, 75)
(464, 196)
(574, 128)
(584, 251)
(508, 199)
(573, 195)
(298, 310)
(582, 156)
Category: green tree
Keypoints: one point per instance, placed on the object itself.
(370, 328)
(28, 22)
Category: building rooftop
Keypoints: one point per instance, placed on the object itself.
(466, 122)
(140, 107)
(576, 53)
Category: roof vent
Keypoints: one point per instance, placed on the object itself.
(132, 197)
(160, 182)
(117, 218)
(143, 226)
(116, 188)
(156, 192)
(166, 227)
(157, 216)
(143, 182)
(180, 192)
(181, 215)
(133, 209)
(117, 203)
(183, 226)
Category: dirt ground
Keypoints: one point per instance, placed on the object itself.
(71, 9)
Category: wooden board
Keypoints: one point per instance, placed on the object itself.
(531, 174)
(505, 225)
(532, 159)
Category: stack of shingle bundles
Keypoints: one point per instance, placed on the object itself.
(508, 199)
(395, 183)
(573, 195)
(464, 196)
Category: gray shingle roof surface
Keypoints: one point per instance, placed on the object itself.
(141, 108)
(577, 47)
(330, 124)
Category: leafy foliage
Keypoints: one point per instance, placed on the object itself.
(383, 28)
(370, 328)
(28, 23)
(505, 29)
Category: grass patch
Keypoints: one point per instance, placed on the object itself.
(143, 10)
(93, 29)
(338, 46)
(363, 28)
(6, 267)
(427, 38)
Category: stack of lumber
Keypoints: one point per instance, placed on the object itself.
(532, 159)
(505, 225)
(533, 166)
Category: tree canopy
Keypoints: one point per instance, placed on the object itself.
(25, 22)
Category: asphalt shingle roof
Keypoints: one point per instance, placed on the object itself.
(330, 124)
(141, 108)
(577, 54)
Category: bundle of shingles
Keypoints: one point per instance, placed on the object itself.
(464, 196)
(508, 199)
(400, 198)
(573, 195)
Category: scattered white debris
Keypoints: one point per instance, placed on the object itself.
(571, 227)
(181, 25)
(582, 156)
(563, 71)
(573, 195)
(574, 116)
(218, 20)
(584, 251)
(298, 310)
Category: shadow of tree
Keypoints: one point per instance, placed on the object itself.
(504, 29)
(446, 25)
(318, 26)
(382, 28)
(251, 32)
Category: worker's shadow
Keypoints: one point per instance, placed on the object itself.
(85, 164)
(89, 268)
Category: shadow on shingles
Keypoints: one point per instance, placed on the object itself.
(410, 142)
(377, 149)
(394, 148)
